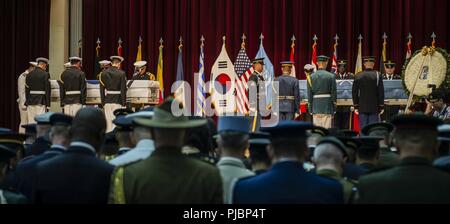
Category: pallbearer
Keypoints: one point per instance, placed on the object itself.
(72, 84)
(113, 90)
(289, 95)
(38, 90)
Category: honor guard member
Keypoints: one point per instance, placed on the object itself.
(38, 90)
(113, 90)
(389, 67)
(256, 83)
(141, 74)
(6, 196)
(21, 91)
(73, 90)
(368, 94)
(322, 94)
(329, 158)
(105, 64)
(342, 119)
(289, 92)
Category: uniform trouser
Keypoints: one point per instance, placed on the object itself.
(368, 118)
(34, 111)
(322, 120)
(72, 109)
(286, 116)
(23, 119)
(109, 114)
(342, 120)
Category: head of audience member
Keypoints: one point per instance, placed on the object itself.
(60, 130)
(330, 154)
(259, 145)
(123, 131)
(288, 141)
(89, 126)
(368, 151)
(14, 143)
(30, 132)
(233, 136)
(6, 155)
(415, 135)
(382, 130)
(201, 138)
(43, 125)
(444, 140)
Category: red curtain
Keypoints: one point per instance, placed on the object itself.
(24, 36)
(278, 20)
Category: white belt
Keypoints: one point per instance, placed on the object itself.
(322, 96)
(73, 92)
(38, 92)
(113, 92)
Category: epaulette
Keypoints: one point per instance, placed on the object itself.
(152, 77)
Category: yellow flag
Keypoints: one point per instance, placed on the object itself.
(139, 53)
(159, 72)
(359, 67)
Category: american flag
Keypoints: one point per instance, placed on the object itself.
(244, 69)
(334, 66)
(201, 91)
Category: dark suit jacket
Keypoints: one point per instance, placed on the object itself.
(74, 177)
(288, 183)
(73, 80)
(113, 79)
(38, 147)
(38, 80)
(415, 180)
(368, 91)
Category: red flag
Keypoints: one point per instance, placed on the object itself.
(334, 66)
(119, 48)
(355, 123)
(314, 54)
(409, 47)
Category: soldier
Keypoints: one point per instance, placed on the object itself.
(142, 74)
(22, 99)
(389, 67)
(383, 130)
(322, 94)
(289, 95)
(113, 90)
(73, 90)
(368, 94)
(329, 158)
(38, 90)
(8, 197)
(105, 64)
(342, 119)
(42, 142)
(414, 180)
(256, 83)
(259, 159)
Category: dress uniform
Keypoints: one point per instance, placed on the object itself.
(322, 95)
(259, 159)
(388, 158)
(73, 90)
(141, 74)
(167, 176)
(256, 82)
(42, 143)
(351, 170)
(414, 180)
(390, 111)
(26, 170)
(21, 91)
(348, 185)
(113, 90)
(368, 95)
(6, 196)
(104, 64)
(289, 93)
(342, 119)
(38, 90)
(287, 182)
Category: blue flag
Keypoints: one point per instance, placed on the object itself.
(268, 74)
(180, 73)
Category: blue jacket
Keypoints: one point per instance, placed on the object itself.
(288, 183)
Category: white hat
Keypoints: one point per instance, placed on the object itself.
(33, 63)
(75, 59)
(121, 59)
(41, 59)
(140, 64)
(104, 62)
(309, 67)
(67, 65)
(141, 114)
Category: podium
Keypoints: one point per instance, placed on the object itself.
(141, 92)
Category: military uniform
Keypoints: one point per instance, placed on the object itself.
(21, 91)
(73, 90)
(349, 186)
(256, 82)
(342, 117)
(140, 66)
(38, 91)
(322, 96)
(289, 95)
(113, 91)
(387, 158)
(368, 95)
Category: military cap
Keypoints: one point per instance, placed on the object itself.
(140, 64)
(43, 119)
(6, 153)
(342, 62)
(415, 120)
(309, 67)
(119, 58)
(323, 58)
(165, 119)
(123, 123)
(369, 142)
(234, 124)
(11, 139)
(387, 127)
(41, 59)
(60, 119)
(369, 59)
(345, 133)
(287, 63)
(141, 114)
(30, 129)
(444, 130)
(67, 65)
(110, 137)
(336, 142)
(288, 129)
(75, 59)
(259, 138)
(104, 62)
(33, 63)
(350, 142)
(436, 95)
(258, 61)
(320, 131)
(122, 111)
(389, 64)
